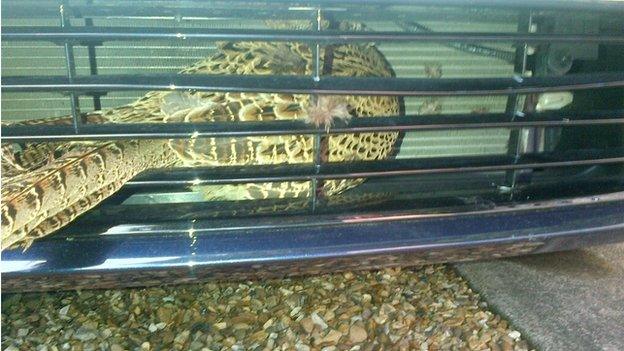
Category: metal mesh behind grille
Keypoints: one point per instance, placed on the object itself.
(407, 59)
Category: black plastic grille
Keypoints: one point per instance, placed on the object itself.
(76, 85)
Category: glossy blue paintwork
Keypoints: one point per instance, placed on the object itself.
(206, 245)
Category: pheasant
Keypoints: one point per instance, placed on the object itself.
(47, 185)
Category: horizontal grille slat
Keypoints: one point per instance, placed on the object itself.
(97, 34)
(326, 85)
(438, 165)
(360, 125)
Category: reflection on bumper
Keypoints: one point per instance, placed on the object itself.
(277, 247)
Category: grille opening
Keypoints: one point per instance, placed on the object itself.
(462, 142)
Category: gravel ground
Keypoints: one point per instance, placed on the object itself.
(428, 308)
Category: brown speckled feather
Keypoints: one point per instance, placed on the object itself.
(32, 204)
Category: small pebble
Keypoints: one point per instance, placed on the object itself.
(318, 320)
(84, 334)
(357, 334)
(514, 335)
(63, 311)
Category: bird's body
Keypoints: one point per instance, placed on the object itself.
(48, 185)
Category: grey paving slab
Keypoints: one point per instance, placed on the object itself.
(562, 301)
